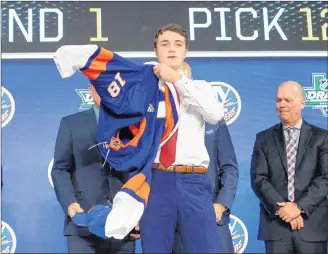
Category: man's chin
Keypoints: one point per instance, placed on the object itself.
(174, 64)
(284, 118)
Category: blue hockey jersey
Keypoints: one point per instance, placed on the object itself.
(136, 118)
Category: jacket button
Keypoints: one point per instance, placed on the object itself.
(285, 182)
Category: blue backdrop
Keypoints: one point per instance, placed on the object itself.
(33, 219)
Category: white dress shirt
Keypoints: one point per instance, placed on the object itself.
(198, 104)
(297, 132)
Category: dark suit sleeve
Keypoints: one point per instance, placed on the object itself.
(228, 167)
(259, 180)
(63, 166)
(318, 189)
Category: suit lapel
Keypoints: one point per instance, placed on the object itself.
(280, 143)
(91, 121)
(304, 139)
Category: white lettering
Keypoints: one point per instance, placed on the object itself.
(274, 23)
(223, 36)
(28, 34)
(60, 22)
(192, 24)
(238, 28)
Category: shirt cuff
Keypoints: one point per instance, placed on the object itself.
(299, 207)
(226, 211)
(182, 81)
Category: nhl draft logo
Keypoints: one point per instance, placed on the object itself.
(316, 96)
(87, 101)
(7, 107)
(230, 99)
(8, 238)
(239, 234)
(49, 172)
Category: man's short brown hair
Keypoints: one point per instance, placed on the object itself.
(173, 28)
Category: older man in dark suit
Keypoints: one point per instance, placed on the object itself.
(289, 174)
(82, 181)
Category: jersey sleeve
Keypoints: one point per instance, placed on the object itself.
(70, 58)
(124, 87)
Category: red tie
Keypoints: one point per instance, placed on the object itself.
(168, 150)
(167, 155)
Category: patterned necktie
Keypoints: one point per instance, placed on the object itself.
(291, 151)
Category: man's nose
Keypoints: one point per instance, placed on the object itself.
(171, 48)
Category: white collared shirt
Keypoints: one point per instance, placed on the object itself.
(198, 104)
(297, 132)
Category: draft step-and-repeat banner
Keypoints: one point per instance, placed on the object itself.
(35, 98)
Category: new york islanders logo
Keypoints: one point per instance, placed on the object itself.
(231, 100)
(7, 107)
(317, 96)
(239, 234)
(87, 101)
(49, 172)
(8, 238)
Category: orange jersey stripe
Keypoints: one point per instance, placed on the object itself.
(134, 129)
(98, 64)
(134, 142)
(139, 186)
(169, 123)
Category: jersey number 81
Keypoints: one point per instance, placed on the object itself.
(113, 88)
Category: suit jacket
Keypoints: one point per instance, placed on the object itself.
(223, 168)
(77, 173)
(269, 181)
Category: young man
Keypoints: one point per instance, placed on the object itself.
(180, 193)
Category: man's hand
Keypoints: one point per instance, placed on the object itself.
(297, 223)
(165, 72)
(136, 233)
(219, 210)
(288, 211)
(73, 209)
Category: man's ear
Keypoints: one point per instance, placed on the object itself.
(155, 50)
(186, 52)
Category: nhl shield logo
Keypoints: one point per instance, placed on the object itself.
(317, 95)
(239, 234)
(230, 99)
(115, 144)
(7, 107)
(8, 238)
(49, 172)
